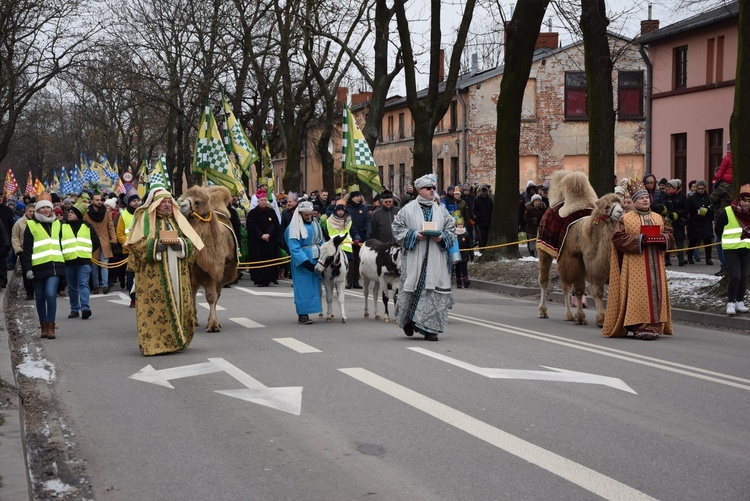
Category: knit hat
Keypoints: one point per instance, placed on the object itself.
(536, 197)
(674, 183)
(55, 198)
(132, 197)
(43, 203)
(354, 193)
(466, 187)
(58, 211)
(20, 206)
(701, 182)
(68, 201)
(530, 184)
(663, 180)
(75, 210)
(619, 190)
(111, 203)
(386, 195)
(637, 189)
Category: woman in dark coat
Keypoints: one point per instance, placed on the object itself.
(532, 216)
(263, 239)
(700, 220)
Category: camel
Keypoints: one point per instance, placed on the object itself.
(584, 254)
(216, 264)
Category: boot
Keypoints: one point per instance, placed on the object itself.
(459, 282)
(680, 259)
(51, 330)
(45, 329)
(667, 262)
(690, 259)
(467, 282)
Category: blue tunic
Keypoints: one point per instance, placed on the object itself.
(306, 283)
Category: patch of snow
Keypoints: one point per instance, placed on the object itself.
(57, 486)
(529, 258)
(36, 369)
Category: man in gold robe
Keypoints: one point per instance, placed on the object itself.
(161, 245)
(638, 296)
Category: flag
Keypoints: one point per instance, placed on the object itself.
(107, 175)
(143, 179)
(119, 187)
(239, 143)
(39, 187)
(356, 154)
(210, 157)
(76, 180)
(55, 185)
(159, 177)
(11, 186)
(29, 185)
(267, 171)
(66, 187)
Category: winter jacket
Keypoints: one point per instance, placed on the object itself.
(675, 208)
(361, 224)
(532, 217)
(700, 226)
(725, 169)
(465, 242)
(76, 226)
(44, 270)
(382, 219)
(720, 197)
(105, 230)
(483, 211)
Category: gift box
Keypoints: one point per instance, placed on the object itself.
(650, 231)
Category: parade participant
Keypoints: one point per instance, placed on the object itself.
(638, 295)
(17, 240)
(425, 286)
(340, 223)
(361, 231)
(383, 217)
(99, 217)
(304, 238)
(43, 262)
(78, 242)
(161, 244)
(733, 224)
(124, 223)
(263, 241)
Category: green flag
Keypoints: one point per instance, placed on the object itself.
(239, 143)
(356, 154)
(210, 157)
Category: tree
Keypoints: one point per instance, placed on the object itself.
(739, 128)
(521, 34)
(598, 63)
(40, 41)
(428, 111)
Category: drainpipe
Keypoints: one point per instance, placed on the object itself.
(649, 82)
(464, 152)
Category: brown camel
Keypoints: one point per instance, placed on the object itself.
(216, 264)
(584, 254)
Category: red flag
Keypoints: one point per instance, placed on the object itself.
(30, 186)
(11, 186)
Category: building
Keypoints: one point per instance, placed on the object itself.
(554, 131)
(693, 65)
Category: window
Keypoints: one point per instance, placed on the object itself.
(380, 172)
(680, 67)
(576, 99)
(454, 116)
(440, 185)
(380, 132)
(455, 175)
(390, 127)
(391, 179)
(400, 125)
(401, 179)
(679, 155)
(630, 94)
(715, 140)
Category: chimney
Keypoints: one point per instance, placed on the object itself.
(547, 40)
(362, 97)
(342, 95)
(441, 69)
(649, 25)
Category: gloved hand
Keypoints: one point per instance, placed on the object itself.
(319, 268)
(659, 239)
(673, 216)
(160, 247)
(176, 247)
(664, 210)
(355, 242)
(703, 211)
(30, 275)
(309, 266)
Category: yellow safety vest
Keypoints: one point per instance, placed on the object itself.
(127, 220)
(731, 238)
(346, 245)
(76, 246)
(46, 248)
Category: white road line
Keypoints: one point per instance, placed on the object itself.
(246, 322)
(618, 354)
(218, 308)
(591, 480)
(296, 345)
(265, 292)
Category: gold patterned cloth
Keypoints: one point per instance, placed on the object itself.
(165, 311)
(638, 295)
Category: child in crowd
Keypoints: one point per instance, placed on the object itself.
(461, 267)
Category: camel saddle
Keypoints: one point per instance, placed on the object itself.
(553, 228)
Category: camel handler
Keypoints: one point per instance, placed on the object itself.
(638, 295)
(161, 243)
(124, 223)
(303, 238)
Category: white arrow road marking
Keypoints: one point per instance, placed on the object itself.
(218, 308)
(287, 399)
(265, 292)
(124, 298)
(591, 480)
(161, 377)
(562, 375)
(246, 322)
(296, 345)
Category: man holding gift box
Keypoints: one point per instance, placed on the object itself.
(638, 296)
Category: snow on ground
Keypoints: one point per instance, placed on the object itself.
(36, 369)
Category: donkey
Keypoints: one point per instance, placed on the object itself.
(333, 266)
(380, 264)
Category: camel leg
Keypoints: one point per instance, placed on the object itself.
(195, 302)
(545, 262)
(366, 291)
(212, 296)
(597, 290)
(341, 295)
(579, 288)
(566, 291)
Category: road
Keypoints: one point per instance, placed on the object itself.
(504, 406)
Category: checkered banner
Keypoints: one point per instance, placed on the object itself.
(210, 157)
(239, 142)
(356, 154)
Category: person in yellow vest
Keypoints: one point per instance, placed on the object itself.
(78, 242)
(733, 226)
(43, 262)
(124, 222)
(340, 223)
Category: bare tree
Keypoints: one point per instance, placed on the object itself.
(739, 128)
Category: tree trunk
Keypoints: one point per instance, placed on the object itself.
(522, 32)
(739, 125)
(598, 62)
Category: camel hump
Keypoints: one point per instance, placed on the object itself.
(219, 198)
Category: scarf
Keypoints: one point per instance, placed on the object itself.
(338, 223)
(145, 218)
(742, 217)
(45, 219)
(97, 215)
(424, 201)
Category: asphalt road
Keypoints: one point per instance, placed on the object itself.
(480, 414)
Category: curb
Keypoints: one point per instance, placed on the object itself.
(14, 474)
(741, 323)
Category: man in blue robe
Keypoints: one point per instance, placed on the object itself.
(304, 238)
